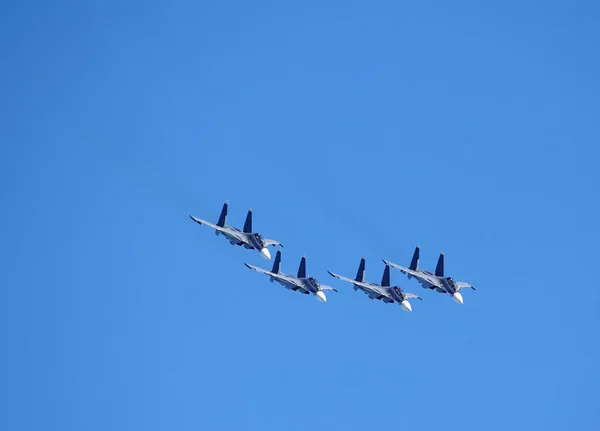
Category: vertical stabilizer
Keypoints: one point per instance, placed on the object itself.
(223, 216)
(414, 263)
(360, 275)
(439, 269)
(385, 280)
(277, 263)
(248, 223)
(302, 268)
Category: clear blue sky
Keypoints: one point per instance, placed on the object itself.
(352, 129)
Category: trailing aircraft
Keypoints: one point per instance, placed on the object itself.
(300, 283)
(383, 292)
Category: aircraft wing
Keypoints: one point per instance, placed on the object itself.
(463, 285)
(224, 230)
(341, 277)
(323, 287)
(207, 223)
(291, 281)
(264, 271)
(272, 242)
(372, 291)
(411, 296)
(426, 280)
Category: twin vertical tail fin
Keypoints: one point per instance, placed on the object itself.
(439, 269)
(223, 216)
(301, 268)
(277, 263)
(385, 280)
(414, 263)
(248, 223)
(360, 275)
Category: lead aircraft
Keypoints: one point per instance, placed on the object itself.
(437, 281)
(246, 238)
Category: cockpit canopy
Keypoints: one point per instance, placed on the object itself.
(451, 281)
(397, 290)
(314, 282)
(259, 238)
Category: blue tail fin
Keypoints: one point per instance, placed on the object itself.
(439, 269)
(385, 280)
(277, 263)
(360, 275)
(302, 268)
(414, 263)
(248, 223)
(223, 216)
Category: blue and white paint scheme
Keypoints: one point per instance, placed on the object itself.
(382, 292)
(246, 238)
(301, 283)
(434, 281)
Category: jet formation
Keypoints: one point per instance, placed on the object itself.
(303, 284)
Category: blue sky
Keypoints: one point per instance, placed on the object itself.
(352, 129)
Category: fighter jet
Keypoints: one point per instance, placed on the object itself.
(437, 281)
(247, 238)
(301, 283)
(384, 292)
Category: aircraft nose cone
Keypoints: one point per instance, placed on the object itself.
(406, 305)
(266, 253)
(458, 297)
(321, 296)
